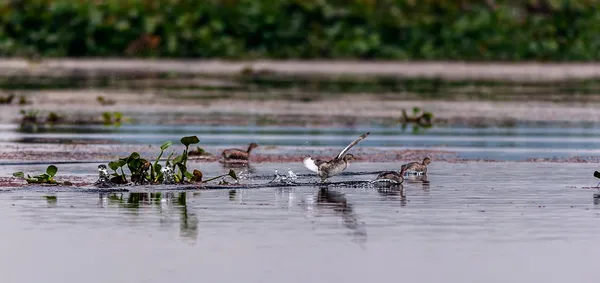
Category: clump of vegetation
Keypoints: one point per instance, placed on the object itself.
(419, 117)
(173, 171)
(114, 119)
(7, 99)
(385, 29)
(45, 178)
(54, 118)
(23, 100)
(105, 101)
(31, 122)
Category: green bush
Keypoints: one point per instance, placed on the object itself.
(383, 29)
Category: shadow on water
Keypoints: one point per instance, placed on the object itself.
(164, 201)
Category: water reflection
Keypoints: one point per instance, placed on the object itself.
(423, 179)
(393, 193)
(337, 201)
(164, 201)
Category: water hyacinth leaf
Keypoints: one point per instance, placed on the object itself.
(232, 174)
(166, 145)
(134, 155)
(135, 165)
(22, 175)
(178, 159)
(122, 162)
(189, 175)
(190, 140)
(114, 165)
(51, 170)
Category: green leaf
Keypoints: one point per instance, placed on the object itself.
(416, 110)
(134, 165)
(166, 145)
(178, 159)
(51, 170)
(19, 175)
(134, 155)
(189, 175)
(232, 174)
(189, 140)
(114, 165)
(121, 162)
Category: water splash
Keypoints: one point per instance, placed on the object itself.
(103, 177)
(289, 179)
(243, 175)
(413, 173)
(168, 175)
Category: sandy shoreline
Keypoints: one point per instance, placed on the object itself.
(527, 72)
(147, 104)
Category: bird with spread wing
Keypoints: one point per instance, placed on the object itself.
(337, 165)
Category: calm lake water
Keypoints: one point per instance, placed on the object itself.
(515, 143)
(473, 222)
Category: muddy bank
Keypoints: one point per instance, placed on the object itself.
(157, 108)
(442, 70)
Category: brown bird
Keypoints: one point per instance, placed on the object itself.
(394, 177)
(418, 167)
(337, 165)
(236, 154)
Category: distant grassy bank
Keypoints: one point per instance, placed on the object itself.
(542, 30)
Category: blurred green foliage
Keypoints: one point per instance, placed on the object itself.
(385, 29)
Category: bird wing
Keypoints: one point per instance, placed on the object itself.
(345, 150)
(311, 164)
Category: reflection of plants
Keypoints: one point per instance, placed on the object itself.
(45, 178)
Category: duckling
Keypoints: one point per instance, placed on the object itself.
(418, 167)
(238, 154)
(337, 165)
(394, 177)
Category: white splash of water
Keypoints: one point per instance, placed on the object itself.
(243, 175)
(103, 177)
(168, 175)
(289, 179)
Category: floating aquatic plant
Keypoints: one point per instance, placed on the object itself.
(420, 118)
(143, 172)
(114, 118)
(7, 99)
(45, 178)
(105, 101)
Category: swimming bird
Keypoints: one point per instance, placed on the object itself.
(393, 177)
(236, 154)
(337, 165)
(418, 167)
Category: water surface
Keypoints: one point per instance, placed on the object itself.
(473, 222)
